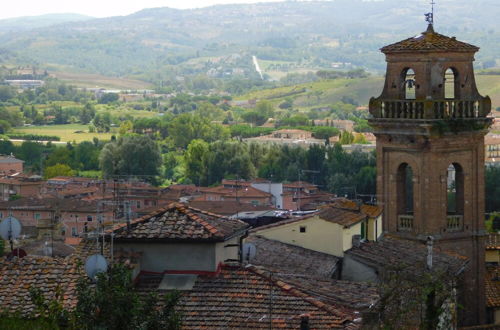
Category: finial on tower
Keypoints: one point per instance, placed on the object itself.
(429, 17)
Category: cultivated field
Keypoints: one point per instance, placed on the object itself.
(67, 133)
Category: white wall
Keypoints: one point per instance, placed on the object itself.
(275, 189)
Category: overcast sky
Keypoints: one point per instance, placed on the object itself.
(101, 8)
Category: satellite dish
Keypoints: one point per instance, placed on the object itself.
(10, 228)
(249, 251)
(94, 265)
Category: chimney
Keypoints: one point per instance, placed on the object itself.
(304, 322)
(356, 240)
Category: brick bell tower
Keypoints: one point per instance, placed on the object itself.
(430, 123)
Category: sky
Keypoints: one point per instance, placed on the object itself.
(101, 8)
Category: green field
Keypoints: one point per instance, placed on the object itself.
(65, 132)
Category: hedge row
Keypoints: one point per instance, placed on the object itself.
(33, 137)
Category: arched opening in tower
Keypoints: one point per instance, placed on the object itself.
(455, 189)
(405, 189)
(409, 84)
(451, 84)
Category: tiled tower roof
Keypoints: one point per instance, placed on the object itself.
(430, 41)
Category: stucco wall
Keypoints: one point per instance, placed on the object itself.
(374, 228)
(320, 235)
(159, 257)
(226, 250)
(347, 234)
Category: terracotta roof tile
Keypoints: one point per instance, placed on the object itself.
(288, 258)
(493, 286)
(240, 297)
(391, 252)
(179, 222)
(17, 276)
(429, 41)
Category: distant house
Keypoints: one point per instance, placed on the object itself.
(345, 125)
(55, 216)
(492, 148)
(247, 194)
(25, 83)
(10, 165)
(331, 230)
(20, 186)
(288, 137)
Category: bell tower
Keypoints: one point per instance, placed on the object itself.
(430, 123)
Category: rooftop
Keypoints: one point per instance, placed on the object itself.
(179, 222)
(390, 252)
(50, 204)
(227, 207)
(429, 41)
(48, 274)
(240, 297)
(288, 258)
(493, 286)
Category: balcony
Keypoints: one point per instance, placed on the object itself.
(454, 223)
(430, 109)
(405, 222)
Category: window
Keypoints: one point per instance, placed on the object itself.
(89, 218)
(405, 189)
(138, 204)
(74, 232)
(303, 229)
(37, 216)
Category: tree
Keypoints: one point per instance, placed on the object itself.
(492, 187)
(265, 109)
(253, 117)
(131, 155)
(30, 152)
(86, 155)
(108, 98)
(194, 159)
(58, 170)
(187, 127)
(87, 113)
(114, 304)
(346, 138)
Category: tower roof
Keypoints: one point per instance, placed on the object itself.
(429, 41)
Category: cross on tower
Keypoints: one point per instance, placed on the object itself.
(429, 17)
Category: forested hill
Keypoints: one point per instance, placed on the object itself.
(155, 43)
(33, 22)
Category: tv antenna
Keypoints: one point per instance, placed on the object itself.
(10, 229)
(429, 17)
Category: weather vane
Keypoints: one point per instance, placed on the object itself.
(429, 17)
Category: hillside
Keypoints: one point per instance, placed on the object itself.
(358, 91)
(161, 44)
(33, 22)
